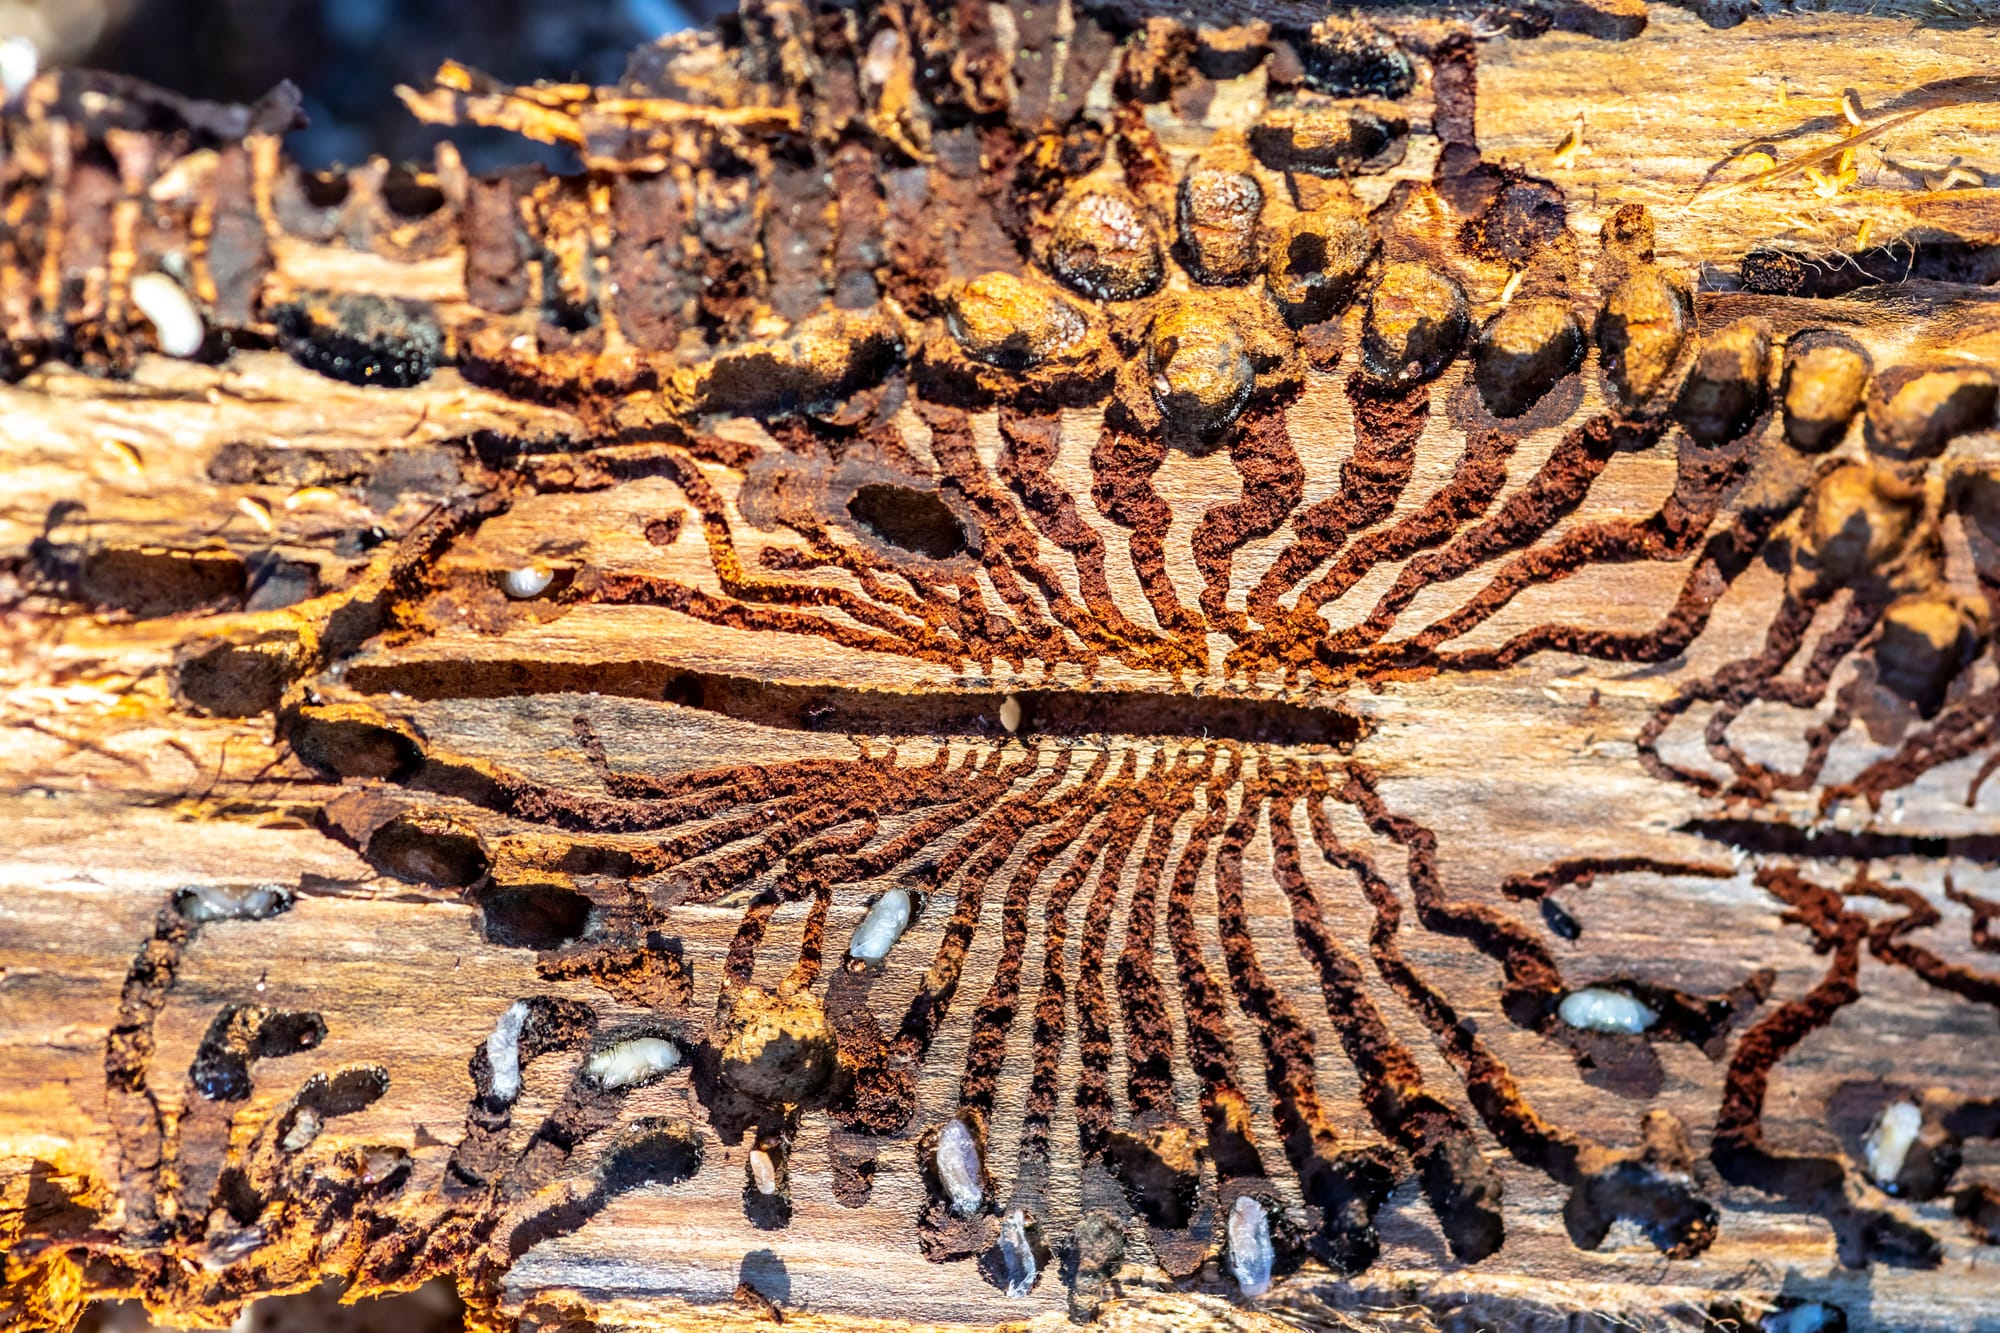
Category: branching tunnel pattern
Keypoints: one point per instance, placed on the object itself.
(899, 347)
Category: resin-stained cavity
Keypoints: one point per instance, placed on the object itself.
(1856, 520)
(1640, 333)
(1220, 207)
(1724, 391)
(1013, 323)
(1414, 324)
(827, 356)
(1201, 367)
(1104, 245)
(631, 1063)
(1914, 412)
(1332, 141)
(1525, 351)
(1927, 640)
(1317, 261)
(1825, 376)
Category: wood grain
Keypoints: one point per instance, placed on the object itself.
(1402, 720)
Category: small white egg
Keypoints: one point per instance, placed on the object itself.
(1010, 714)
(528, 581)
(1596, 1009)
(166, 305)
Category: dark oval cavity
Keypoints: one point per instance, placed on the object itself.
(1349, 59)
(426, 848)
(408, 197)
(533, 916)
(915, 520)
(234, 679)
(146, 581)
(324, 189)
(1328, 140)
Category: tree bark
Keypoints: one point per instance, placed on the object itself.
(1389, 619)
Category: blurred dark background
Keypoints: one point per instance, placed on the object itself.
(347, 56)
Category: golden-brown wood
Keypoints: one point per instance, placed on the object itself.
(1405, 721)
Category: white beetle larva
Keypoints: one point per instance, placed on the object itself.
(305, 1128)
(1596, 1009)
(958, 1167)
(1890, 1139)
(1017, 1254)
(763, 1171)
(882, 927)
(629, 1063)
(503, 1053)
(19, 63)
(1251, 1254)
(166, 305)
(529, 581)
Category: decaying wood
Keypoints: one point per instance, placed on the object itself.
(1309, 553)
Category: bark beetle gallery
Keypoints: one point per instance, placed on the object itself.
(888, 602)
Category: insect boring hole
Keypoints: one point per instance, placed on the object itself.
(917, 521)
(533, 916)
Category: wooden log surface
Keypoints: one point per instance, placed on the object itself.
(1407, 601)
